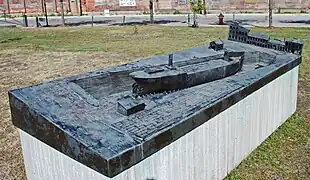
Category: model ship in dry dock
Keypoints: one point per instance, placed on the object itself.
(170, 77)
(157, 81)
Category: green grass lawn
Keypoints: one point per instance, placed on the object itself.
(31, 56)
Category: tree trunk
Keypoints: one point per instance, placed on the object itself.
(42, 6)
(151, 12)
(204, 7)
(62, 13)
(270, 13)
(25, 14)
(45, 13)
(25, 7)
(77, 6)
(8, 5)
(81, 10)
(69, 6)
(55, 6)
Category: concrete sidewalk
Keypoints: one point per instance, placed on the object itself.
(279, 20)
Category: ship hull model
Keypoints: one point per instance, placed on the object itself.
(169, 77)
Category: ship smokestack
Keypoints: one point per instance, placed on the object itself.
(170, 62)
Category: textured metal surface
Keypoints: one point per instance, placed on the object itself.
(210, 151)
(170, 78)
(81, 119)
(241, 34)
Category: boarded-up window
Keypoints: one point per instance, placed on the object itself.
(182, 1)
(127, 2)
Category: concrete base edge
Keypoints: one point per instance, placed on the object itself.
(210, 151)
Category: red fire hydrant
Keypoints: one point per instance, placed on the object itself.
(221, 19)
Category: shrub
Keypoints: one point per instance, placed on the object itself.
(177, 12)
(197, 6)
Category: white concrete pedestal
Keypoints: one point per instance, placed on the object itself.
(210, 151)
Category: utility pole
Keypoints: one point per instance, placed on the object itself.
(151, 12)
(270, 13)
(62, 12)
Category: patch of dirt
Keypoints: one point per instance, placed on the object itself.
(303, 98)
(271, 175)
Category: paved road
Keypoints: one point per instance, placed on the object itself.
(279, 20)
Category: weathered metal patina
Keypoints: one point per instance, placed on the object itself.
(80, 115)
(170, 78)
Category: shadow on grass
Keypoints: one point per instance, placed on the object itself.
(242, 22)
(81, 23)
(146, 22)
(113, 23)
(299, 22)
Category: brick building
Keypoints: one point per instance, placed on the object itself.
(139, 6)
